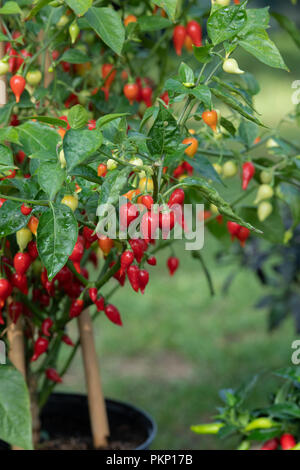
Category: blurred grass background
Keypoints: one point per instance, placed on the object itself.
(179, 346)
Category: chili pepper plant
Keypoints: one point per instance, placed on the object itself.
(102, 100)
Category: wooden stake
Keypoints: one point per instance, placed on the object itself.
(97, 408)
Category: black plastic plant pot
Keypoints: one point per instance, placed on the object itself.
(65, 418)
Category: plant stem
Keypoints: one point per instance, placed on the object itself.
(17, 199)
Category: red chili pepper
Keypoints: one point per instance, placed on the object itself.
(147, 96)
(46, 326)
(52, 375)
(2, 201)
(233, 229)
(91, 124)
(48, 285)
(243, 235)
(67, 340)
(131, 91)
(40, 347)
(100, 304)
(177, 197)
(15, 311)
(20, 282)
(64, 276)
(76, 308)
(272, 444)
(179, 35)
(107, 71)
(143, 280)
(165, 98)
(113, 314)
(32, 250)
(77, 253)
(128, 213)
(17, 84)
(25, 209)
(149, 225)
(152, 261)
(89, 235)
(172, 264)
(194, 30)
(44, 299)
(248, 173)
(166, 222)
(138, 249)
(93, 293)
(5, 289)
(127, 259)
(287, 441)
(133, 276)
(22, 261)
(147, 201)
(179, 171)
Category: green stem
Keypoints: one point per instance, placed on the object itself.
(197, 255)
(27, 201)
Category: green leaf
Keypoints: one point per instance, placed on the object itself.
(108, 118)
(233, 88)
(49, 120)
(289, 26)
(226, 23)
(6, 157)
(235, 104)
(202, 165)
(56, 237)
(5, 113)
(108, 25)
(213, 197)
(11, 219)
(153, 23)
(10, 8)
(9, 134)
(80, 7)
(186, 74)
(51, 177)
(170, 6)
(79, 145)
(290, 195)
(203, 94)
(40, 4)
(87, 173)
(164, 135)
(74, 56)
(228, 126)
(15, 416)
(38, 137)
(115, 131)
(248, 131)
(202, 53)
(257, 18)
(260, 46)
(174, 86)
(78, 117)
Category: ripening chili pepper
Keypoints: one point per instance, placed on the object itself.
(113, 314)
(106, 244)
(248, 173)
(5, 289)
(53, 376)
(137, 248)
(127, 259)
(207, 428)
(2, 201)
(243, 235)
(15, 311)
(233, 229)
(194, 30)
(166, 222)
(74, 31)
(17, 84)
(93, 293)
(67, 340)
(147, 201)
(172, 264)
(133, 276)
(152, 261)
(211, 119)
(32, 250)
(232, 66)
(127, 213)
(177, 197)
(89, 235)
(20, 282)
(260, 423)
(143, 279)
(131, 91)
(108, 75)
(146, 94)
(192, 148)
(287, 441)
(77, 252)
(130, 19)
(100, 304)
(76, 308)
(33, 224)
(40, 347)
(149, 225)
(102, 170)
(46, 326)
(179, 35)
(25, 209)
(272, 444)
(22, 261)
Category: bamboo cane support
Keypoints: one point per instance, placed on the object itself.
(97, 408)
